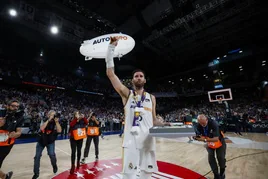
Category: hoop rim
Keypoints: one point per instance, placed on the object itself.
(220, 100)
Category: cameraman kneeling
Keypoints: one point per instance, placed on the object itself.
(49, 132)
(11, 120)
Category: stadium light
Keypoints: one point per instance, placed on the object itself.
(13, 12)
(54, 30)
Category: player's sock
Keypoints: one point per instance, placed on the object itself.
(129, 175)
(145, 175)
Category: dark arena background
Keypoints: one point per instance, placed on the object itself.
(199, 57)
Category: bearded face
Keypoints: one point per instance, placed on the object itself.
(138, 80)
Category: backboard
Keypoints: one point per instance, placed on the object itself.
(223, 94)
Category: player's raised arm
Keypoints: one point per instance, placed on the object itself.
(118, 86)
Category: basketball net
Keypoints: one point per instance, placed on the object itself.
(220, 101)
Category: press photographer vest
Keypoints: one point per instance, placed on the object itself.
(11, 123)
(4, 139)
(48, 135)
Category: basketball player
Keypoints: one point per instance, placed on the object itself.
(140, 116)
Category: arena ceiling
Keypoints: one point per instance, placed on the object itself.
(171, 36)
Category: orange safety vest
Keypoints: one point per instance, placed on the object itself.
(4, 139)
(79, 133)
(214, 145)
(93, 131)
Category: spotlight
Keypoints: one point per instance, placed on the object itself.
(13, 12)
(54, 29)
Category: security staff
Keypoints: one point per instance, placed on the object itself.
(11, 120)
(210, 134)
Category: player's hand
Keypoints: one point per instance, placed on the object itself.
(114, 41)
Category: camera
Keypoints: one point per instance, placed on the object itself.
(196, 137)
(57, 115)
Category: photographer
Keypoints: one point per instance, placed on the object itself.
(49, 132)
(92, 133)
(77, 134)
(211, 135)
(11, 120)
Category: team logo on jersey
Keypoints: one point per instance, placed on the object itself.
(112, 169)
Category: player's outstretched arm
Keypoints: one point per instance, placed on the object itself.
(118, 86)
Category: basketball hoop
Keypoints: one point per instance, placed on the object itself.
(220, 101)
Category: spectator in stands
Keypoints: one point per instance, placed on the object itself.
(122, 117)
(236, 119)
(102, 126)
(64, 126)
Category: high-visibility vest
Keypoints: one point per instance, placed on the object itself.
(215, 145)
(79, 133)
(4, 139)
(93, 131)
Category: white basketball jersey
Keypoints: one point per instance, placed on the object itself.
(143, 140)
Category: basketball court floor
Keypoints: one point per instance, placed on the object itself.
(247, 158)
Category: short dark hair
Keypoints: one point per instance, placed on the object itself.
(138, 70)
(12, 101)
(93, 114)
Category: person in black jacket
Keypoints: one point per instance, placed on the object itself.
(49, 131)
(92, 134)
(213, 137)
(236, 120)
(11, 120)
(64, 126)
